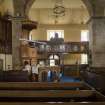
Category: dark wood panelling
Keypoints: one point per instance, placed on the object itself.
(5, 36)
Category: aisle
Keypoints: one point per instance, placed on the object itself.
(69, 79)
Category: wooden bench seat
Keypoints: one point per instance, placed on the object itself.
(52, 103)
(42, 85)
(62, 96)
(45, 93)
(28, 93)
(14, 76)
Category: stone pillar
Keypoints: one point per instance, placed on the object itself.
(97, 41)
(16, 34)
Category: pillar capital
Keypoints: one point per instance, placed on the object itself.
(93, 18)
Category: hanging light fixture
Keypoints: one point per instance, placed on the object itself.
(59, 9)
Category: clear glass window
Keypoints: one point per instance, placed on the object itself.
(53, 59)
(84, 59)
(84, 35)
(51, 34)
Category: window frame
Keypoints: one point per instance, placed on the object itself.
(51, 34)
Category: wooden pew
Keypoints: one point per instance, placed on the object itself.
(29, 93)
(98, 76)
(58, 97)
(14, 76)
(45, 93)
(52, 103)
(42, 86)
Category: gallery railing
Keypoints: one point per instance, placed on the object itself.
(67, 47)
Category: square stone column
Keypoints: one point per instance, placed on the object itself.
(97, 41)
(16, 34)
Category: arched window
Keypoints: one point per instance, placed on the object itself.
(53, 60)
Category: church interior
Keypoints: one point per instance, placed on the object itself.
(52, 52)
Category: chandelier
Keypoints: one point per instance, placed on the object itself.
(59, 9)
